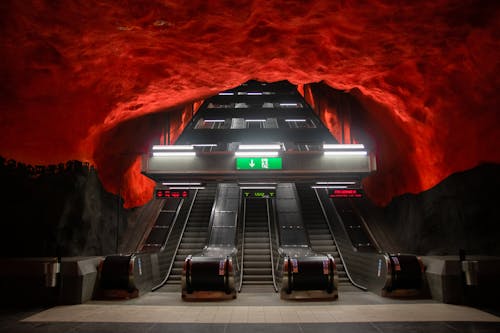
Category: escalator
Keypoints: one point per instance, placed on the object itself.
(194, 237)
(358, 233)
(320, 236)
(158, 234)
(256, 256)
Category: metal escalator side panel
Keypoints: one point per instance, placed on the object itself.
(224, 219)
(211, 273)
(291, 227)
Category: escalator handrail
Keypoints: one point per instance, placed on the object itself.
(327, 220)
(179, 207)
(271, 244)
(243, 243)
(162, 283)
(276, 237)
(365, 225)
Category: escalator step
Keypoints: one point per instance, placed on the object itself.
(256, 278)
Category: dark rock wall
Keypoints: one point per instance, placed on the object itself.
(461, 212)
(57, 210)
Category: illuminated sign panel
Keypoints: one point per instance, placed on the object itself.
(258, 193)
(346, 193)
(259, 163)
(160, 194)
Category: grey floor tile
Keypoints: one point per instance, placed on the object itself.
(475, 327)
(338, 328)
(414, 327)
(262, 328)
(22, 327)
(187, 328)
(113, 327)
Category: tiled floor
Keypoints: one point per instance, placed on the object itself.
(166, 312)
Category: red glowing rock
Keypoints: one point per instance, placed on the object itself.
(79, 79)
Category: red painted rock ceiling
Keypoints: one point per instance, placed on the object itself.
(87, 80)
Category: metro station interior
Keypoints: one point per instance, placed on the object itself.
(312, 175)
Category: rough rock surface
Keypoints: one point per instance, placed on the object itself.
(84, 79)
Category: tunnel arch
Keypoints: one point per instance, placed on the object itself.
(426, 73)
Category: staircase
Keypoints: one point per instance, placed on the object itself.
(257, 269)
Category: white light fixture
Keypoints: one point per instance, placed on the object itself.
(289, 104)
(296, 120)
(255, 120)
(328, 187)
(172, 147)
(256, 153)
(343, 146)
(346, 153)
(187, 188)
(258, 187)
(254, 184)
(335, 183)
(181, 184)
(226, 94)
(204, 145)
(213, 120)
(254, 94)
(173, 153)
(264, 147)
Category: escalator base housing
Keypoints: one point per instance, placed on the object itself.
(310, 295)
(205, 295)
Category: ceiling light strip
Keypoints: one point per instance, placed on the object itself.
(257, 153)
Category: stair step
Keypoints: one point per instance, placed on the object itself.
(247, 271)
(260, 251)
(249, 257)
(255, 278)
(257, 264)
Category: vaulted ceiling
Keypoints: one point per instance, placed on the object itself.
(86, 79)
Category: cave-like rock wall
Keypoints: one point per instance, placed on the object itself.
(459, 213)
(57, 210)
(81, 79)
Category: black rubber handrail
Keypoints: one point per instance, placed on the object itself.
(327, 220)
(162, 283)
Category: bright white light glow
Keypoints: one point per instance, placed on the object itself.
(255, 120)
(173, 153)
(213, 120)
(187, 188)
(204, 145)
(254, 184)
(258, 187)
(343, 146)
(289, 104)
(181, 184)
(264, 147)
(256, 153)
(254, 94)
(226, 94)
(328, 187)
(296, 120)
(172, 147)
(335, 183)
(345, 153)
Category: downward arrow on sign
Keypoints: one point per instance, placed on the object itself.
(252, 164)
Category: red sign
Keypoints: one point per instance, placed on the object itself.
(346, 193)
(160, 194)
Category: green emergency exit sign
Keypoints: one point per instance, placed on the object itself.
(259, 163)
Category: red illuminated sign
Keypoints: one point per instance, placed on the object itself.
(160, 194)
(346, 193)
